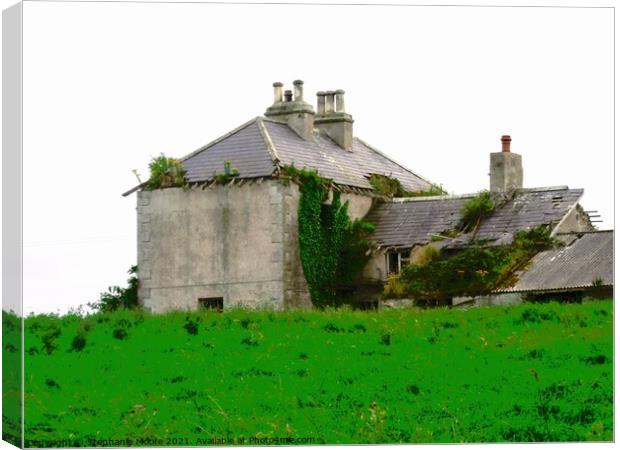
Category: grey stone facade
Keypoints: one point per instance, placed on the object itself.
(235, 242)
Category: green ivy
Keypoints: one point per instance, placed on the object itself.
(333, 249)
(475, 270)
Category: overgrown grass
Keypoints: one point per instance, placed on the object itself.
(534, 372)
(11, 378)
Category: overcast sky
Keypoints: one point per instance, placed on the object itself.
(107, 86)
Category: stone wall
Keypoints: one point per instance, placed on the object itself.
(240, 243)
(508, 298)
(296, 294)
(376, 269)
(359, 205)
(225, 241)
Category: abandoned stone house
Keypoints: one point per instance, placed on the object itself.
(236, 244)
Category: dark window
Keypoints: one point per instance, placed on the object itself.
(392, 263)
(397, 261)
(216, 303)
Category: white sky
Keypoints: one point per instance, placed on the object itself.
(108, 85)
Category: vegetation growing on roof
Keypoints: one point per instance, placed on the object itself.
(392, 187)
(165, 173)
(476, 209)
(227, 176)
(333, 249)
(475, 270)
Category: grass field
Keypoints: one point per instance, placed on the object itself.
(527, 373)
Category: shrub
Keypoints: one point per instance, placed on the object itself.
(49, 338)
(120, 330)
(120, 298)
(165, 172)
(475, 270)
(79, 342)
(191, 326)
(476, 209)
(119, 333)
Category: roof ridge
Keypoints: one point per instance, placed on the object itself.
(272, 120)
(584, 232)
(429, 198)
(271, 148)
(544, 189)
(221, 138)
(374, 149)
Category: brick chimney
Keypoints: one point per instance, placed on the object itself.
(332, 119)
(292, 109)
(506, 169)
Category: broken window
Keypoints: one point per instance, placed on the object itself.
(216, 303)
(396, 261)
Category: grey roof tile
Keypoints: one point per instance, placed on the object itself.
(528, 209)
(247, 150)
(577, 265)
(351, 168)
(409, 222)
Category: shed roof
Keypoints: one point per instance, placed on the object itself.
(587, 257)
(258, 147)
(403, 223)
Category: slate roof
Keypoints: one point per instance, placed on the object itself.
(589, 256)
(408, 222)
(260, 146)
(403, 223)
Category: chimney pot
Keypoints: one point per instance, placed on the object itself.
(288, 96)
(506, 143)
(339, 100)
(320, 103)
(277, 92)
(299, 90)
(329, 102)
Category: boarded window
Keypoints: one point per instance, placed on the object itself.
(216, 303)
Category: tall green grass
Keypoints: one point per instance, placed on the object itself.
(524, 373)
(11, 378)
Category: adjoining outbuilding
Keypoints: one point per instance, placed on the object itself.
(404, 224)
(583, 268)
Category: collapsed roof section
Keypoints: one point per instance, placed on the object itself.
(404, 223)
